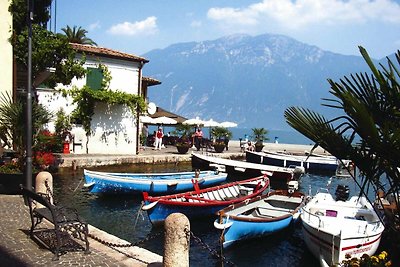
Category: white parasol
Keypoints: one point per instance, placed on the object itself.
(211, 123)
(146, 119)
(164, 120)
(228, 124)
(195, 121)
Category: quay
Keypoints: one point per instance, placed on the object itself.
(171, 155)
(18, 249)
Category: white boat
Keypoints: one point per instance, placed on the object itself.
(334, 228)
(309, 162)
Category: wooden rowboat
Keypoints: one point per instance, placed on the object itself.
(259, 216)
(203, 202)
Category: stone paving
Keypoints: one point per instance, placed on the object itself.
(18, 249)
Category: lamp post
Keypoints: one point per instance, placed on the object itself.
(28, 166)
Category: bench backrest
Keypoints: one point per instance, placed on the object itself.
(30, 195)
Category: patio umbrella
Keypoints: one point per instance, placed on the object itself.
(211, 123)
(228, 124)
(195, 121)
(164, 120)
(146, 119)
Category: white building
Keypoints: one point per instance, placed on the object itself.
(114, 128)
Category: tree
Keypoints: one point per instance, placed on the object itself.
(221, 132)
(260, 135)
(49, 50)
(77, 35)
(371, 106)
(19, 10)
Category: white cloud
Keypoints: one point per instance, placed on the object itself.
(94, 26)
(144, 27)
(302, 13)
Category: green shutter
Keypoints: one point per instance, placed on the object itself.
(94, 77)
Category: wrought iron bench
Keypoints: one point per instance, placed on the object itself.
(66, 221)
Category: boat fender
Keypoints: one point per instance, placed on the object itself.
(89, 184)
(172, 184)
(222, 226)
(150, 205)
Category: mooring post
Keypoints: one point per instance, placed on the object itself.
(177, 241)
(40, 186)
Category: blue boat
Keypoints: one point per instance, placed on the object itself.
(203, 202)
(154, 183)
(259, 216)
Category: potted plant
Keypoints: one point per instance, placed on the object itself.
(222, 136)
(183, 143)
(259, 136)
(12, 134)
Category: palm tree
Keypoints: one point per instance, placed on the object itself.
(12, 123)
(371, 106)
(77, 35)
(260, 135)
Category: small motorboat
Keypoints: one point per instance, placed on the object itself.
(154, 183)
(259, 216)
(203, 202)
(333, 228)
(308, 162)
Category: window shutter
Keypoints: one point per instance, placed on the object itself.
(94, 77)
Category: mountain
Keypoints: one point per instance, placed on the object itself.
(250, 80)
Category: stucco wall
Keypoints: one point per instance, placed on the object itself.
(6, 55)
(113, 126)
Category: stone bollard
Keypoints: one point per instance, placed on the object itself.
(40, 186)
(177, 241)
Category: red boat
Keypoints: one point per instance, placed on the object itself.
(204, 202)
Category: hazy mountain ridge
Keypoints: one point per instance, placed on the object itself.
(249, 80)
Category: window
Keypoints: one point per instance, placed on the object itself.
(94, 77)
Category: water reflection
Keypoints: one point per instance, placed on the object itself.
(120, 215)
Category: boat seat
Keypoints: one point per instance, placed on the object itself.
(245, 191)
(271, 212)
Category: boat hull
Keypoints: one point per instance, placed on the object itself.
(332, 229)
(242, 230)
(258, 217)
(105, 183)
(160, 212)
(333, 249)
(312, 163)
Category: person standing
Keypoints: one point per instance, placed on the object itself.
(198, 137)
(159, 137)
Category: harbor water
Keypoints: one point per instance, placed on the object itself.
(120, 215)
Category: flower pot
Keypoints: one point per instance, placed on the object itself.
(182, 149)
(219, 148)
(259, 147)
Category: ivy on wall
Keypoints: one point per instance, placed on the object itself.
(85, 98)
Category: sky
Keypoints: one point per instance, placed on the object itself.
(136, 27)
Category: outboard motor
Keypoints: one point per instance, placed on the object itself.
(342, 192)
(293, 186)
